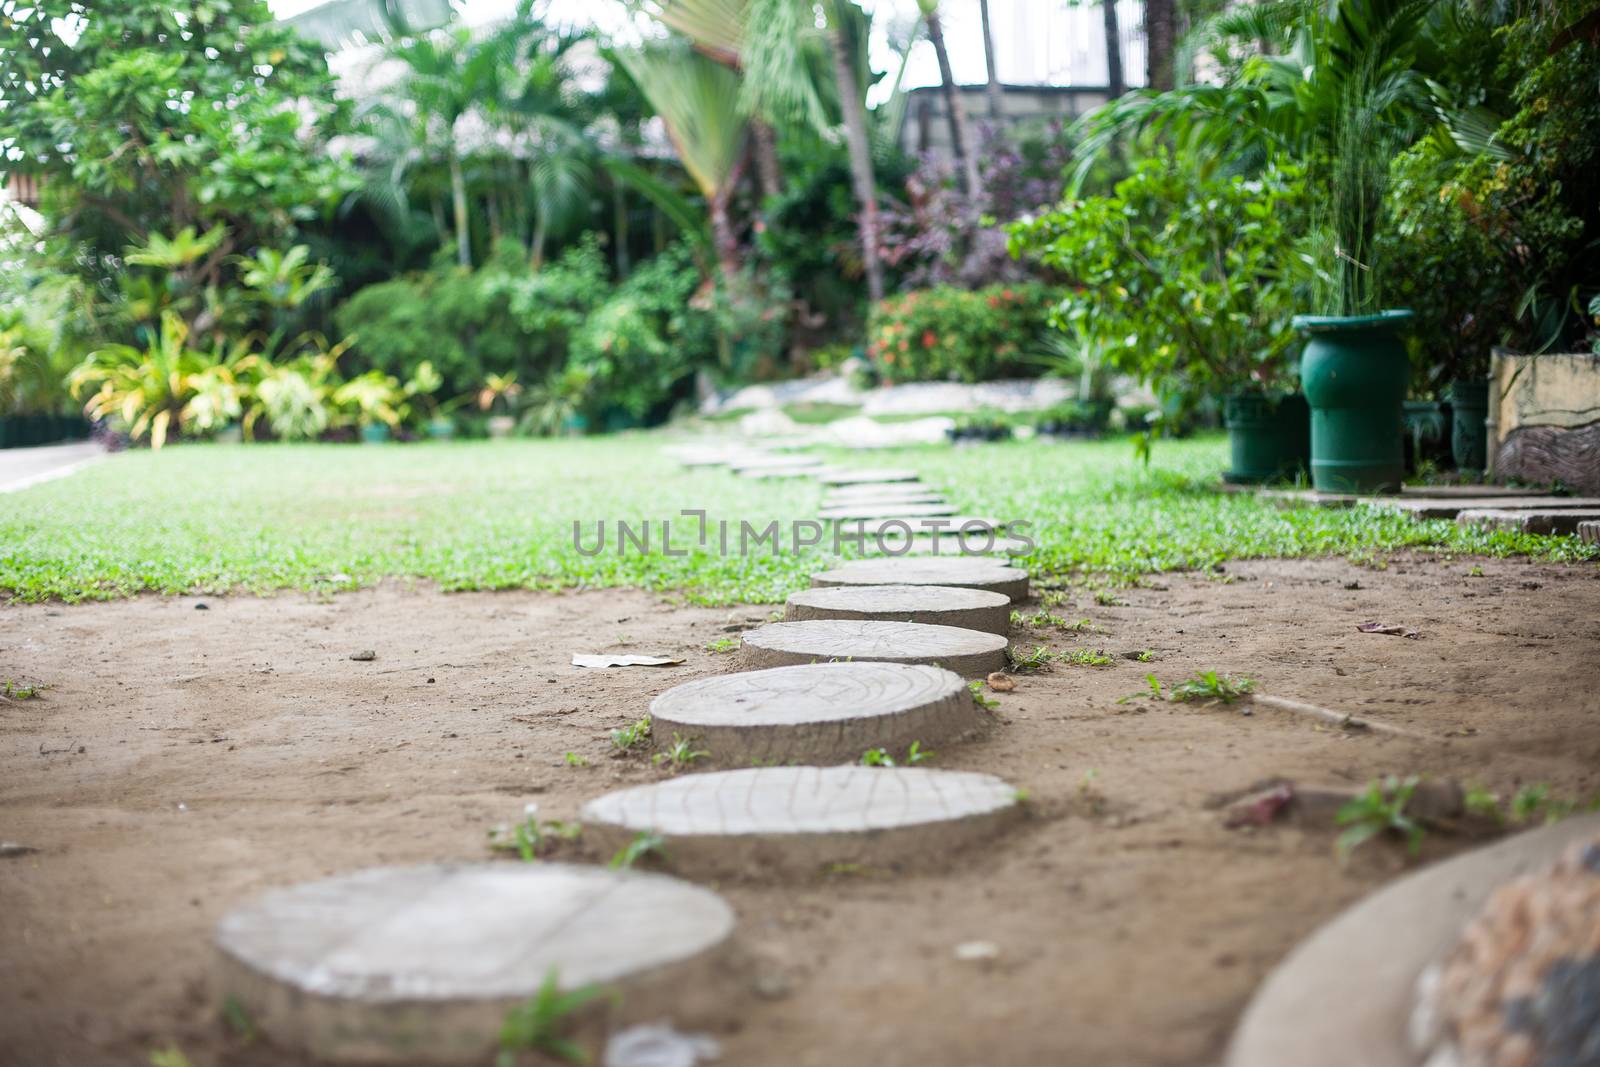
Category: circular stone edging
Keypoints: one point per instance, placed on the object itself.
(970, 572)
(969, 653)
(803, 820)
(818, 713)
(1345, 995)
(422, 963)
(940, 605)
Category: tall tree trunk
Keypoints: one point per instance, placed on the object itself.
(861, 176)
(768, 170)
(458, 197)
(619, 226)
(1160, 33)
(992, 85)
(1114, 79)
(955, 114)
(536, 256)
(727, 242)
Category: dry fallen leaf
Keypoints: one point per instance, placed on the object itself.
(599, 661)
(1001, 682)
(1392, 629)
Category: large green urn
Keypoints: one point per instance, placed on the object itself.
(1269, 436)
(1354, 373)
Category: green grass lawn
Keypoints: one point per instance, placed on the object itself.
(492, 515)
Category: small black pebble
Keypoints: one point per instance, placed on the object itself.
(202, 607)
(430, 681)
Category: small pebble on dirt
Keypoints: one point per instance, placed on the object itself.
(202, 606)
(977, 951)
(1001, 682)
(364, 656)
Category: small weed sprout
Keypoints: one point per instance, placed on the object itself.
(644, 843)
(631, 736)
(530, 837)
(1107, 599)
(1479, 801)
(238, 1020)
(1145, 656)
(1089, 792)
(171, 1056)
(987, 703)
(681, 753)
(1212, 688)
(539, 1024)
(1381, 809)
(1029, 662)
(14, 690)
(917, 754)
(877, 757)
(1086, 657)
(723, 644)
(575, 760)
(1535, 800)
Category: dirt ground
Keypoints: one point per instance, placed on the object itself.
(184, 760)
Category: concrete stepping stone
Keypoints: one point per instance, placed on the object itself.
(765, 473)
(871, 509)
(964, 571)
(970, 653)
(977, 545)
(1449, 508)
(421, 964)
(908, 491)
(791, 821)
(817, 713)
(903, 526)
(882, 505)
(940, 605)
(1345, 995)
(874, 474)
(702, 455)
(763, 461)
(1531, 520)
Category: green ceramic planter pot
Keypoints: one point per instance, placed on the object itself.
(1354, 373)
(375, 433)
(1469, 435)
(1269, 436)
(441, 428)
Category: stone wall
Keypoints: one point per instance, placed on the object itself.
(1544, 419)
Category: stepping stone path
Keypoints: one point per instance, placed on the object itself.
(964, 571)
(979, 545)
(970, 653)
(818, 713)
(941, 605)
(802, 820)
(871, 509)
(859, 477)
(421, 964)
(1532, 520)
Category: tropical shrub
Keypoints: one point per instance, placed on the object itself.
(949, 334)
(1185, 280)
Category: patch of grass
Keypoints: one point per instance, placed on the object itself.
(1023, 661)
(880, 757)
(680, 754)
(1211, 688)
(982, 699)
(1086, 657)
(632, 736)
(540, 1024)
(171, 1056)
(1145, 656)
(723, 644)
(13, 690)
(1107, 599)
(1381, 809)
(575, 760)
(501, 514)
(643, 844)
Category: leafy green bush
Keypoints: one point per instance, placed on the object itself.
(960, 335)
(1184, 279)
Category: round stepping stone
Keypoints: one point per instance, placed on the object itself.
(421, 964)
(882, 505)
(977, 545)
(817, 713)
(782, 472)
(879, 474)
(872, 509)
(903, 526)
(967, 652)
(759, 461)
(701, 456)
(965, 571)
(910, 492)
(941, 605)
(803, 820)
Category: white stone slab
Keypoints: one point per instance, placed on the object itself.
(872, 509)
(902, 526)
(965, 571)
(421, 964)
(816, 713)
(969, 653)
(872, 474)
(769, 461)
(799, 820)
(940, 605)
